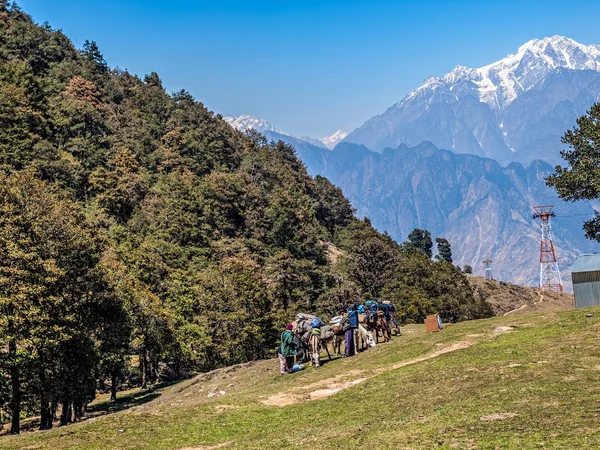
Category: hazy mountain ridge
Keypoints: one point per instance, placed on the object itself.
(246, 122)
(515, 109)
(482, 207)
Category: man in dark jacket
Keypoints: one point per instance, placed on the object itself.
(287, 350)
(352, 326)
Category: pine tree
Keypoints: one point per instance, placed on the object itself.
(578, 180)
(421, 240)
(444, 249)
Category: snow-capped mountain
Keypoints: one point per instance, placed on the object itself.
(313, 141)
(331, 141)
(246, 122)
(514, 109)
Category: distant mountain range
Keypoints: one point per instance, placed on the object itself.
(515, 109)
(483, 208)
(246, 122)
(503, 124)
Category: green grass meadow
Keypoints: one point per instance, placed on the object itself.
(533, 387)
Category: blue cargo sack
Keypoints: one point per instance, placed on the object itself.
(316, 323)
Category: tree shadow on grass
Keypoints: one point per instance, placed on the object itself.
(125, 401)
(121, 403)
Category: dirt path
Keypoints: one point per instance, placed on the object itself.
(333, 385)
(515, 310)
(209, 447)
(525, 305)
(540, 300)
(452, 348)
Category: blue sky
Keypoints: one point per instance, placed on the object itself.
(310, 67)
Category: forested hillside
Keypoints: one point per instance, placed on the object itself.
(142, 238)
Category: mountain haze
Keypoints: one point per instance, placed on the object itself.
(515, 109)
(501, 121)
(246, 122)
(483, 208)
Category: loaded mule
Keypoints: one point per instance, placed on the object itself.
(376, 323)
(364, 336)
(309, 343)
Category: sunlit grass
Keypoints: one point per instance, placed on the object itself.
(539, 381)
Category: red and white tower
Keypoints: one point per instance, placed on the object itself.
(549, 272)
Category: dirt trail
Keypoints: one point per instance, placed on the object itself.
(508, 299)
(209, 447)
(540, 300)
(331, 386)
(452, 348)
(525, 305)
(332, 389)
(515, 310)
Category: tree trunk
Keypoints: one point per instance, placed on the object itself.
(45, 411)
(144, 363)
(66, 416)
(45, 415)
(77, 410)
(154, 371)
(113, 386)
(15, 382)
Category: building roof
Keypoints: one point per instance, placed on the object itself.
(588, 262)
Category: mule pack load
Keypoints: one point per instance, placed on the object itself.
(327, 332)
(338, 324)
(309, 325)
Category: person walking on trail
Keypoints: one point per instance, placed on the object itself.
(286, 350)
(352, 325)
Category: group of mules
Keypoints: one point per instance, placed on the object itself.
(371, 329)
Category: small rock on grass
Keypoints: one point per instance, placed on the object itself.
(498, 416)
(501, 330)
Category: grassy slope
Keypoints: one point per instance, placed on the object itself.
(545, 371)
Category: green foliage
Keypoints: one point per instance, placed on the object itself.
(372, 257)
(138, 226)
(421, 240)
(332, 209)
(53, 300)
(578, 180)
(421, 287)
(444, 249)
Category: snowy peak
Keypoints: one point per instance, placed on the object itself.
(246, 122)
(499, 83)
(515, 109)
(560, 51)
(331, 141)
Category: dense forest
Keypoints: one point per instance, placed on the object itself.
(143, 239)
